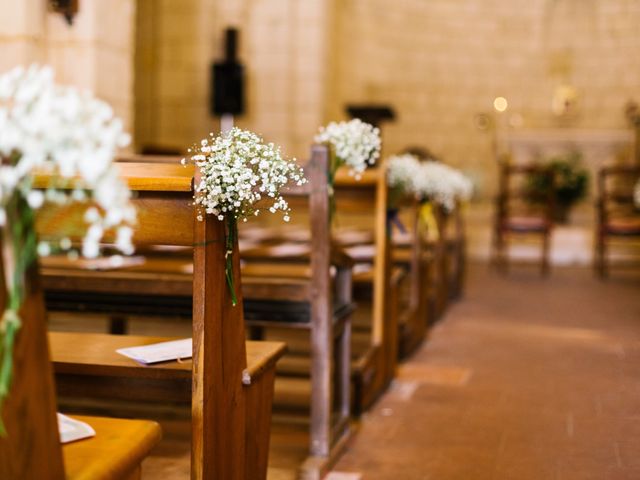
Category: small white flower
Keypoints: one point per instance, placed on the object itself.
(35, 199)
(44, 249)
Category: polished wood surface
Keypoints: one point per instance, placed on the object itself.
(141, 176)
(31, 449)
(29, 412)
(95, 354)
(114, 453)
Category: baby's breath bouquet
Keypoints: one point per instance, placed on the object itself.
(74, 137)
(401, 176)
(354, 143)
(238, 170)
(442, 185)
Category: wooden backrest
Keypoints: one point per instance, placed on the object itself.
(163, 196)
(367, 197)
(310, 205)
(515, 197)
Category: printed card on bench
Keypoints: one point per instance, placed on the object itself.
(159, 352)
(71, 430)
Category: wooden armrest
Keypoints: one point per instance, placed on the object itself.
(115, 452)
(95, 354)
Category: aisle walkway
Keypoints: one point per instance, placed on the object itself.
(526, 378)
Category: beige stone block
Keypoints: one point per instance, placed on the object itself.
(74, 64)
(24, 18)
(114, 74)
(19, 52)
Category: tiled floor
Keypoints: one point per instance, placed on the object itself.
(526, 378)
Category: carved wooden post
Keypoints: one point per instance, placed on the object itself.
(31, 448)
(219, 360)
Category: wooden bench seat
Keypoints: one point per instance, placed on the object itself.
(95, 354)
(115, 453)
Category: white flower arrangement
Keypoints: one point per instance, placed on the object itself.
(238, 170)
(73, 136)
(636, 194)
(442, 185)
(402, 171)
(50, 127)
(431, 181)
(355, 144)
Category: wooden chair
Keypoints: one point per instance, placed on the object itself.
(515, 214)
(616, 215)
(31, 450)
(229, 383)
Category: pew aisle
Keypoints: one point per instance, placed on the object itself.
(533, 385)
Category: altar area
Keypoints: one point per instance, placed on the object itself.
(573, 242)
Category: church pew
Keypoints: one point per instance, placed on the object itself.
(307, 288)
(362, 205)
(168, 273)
(31, 448)
(410, 249)
(229, 383)
(360, 226)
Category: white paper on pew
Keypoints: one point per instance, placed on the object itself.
(159, 352)
(362, 252)
(289, 249)
(71, 430)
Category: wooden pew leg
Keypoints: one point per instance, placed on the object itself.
(258, 425)
(544, 270)
(118, 325)
(135, 475)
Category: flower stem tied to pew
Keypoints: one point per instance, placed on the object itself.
(72, 138)
(239, 172)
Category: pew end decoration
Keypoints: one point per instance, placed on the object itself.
(442, 185)
(429, 181)
(45, 127)
(355, 144)
(240, 175)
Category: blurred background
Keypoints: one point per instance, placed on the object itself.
(466, 80)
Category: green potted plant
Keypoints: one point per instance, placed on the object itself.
(570, 183)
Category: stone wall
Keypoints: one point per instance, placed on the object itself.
(95, 53)
(441, 62)
(438, 62)
(282, 43)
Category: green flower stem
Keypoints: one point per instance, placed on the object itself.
(232, 229)
(19, 244)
